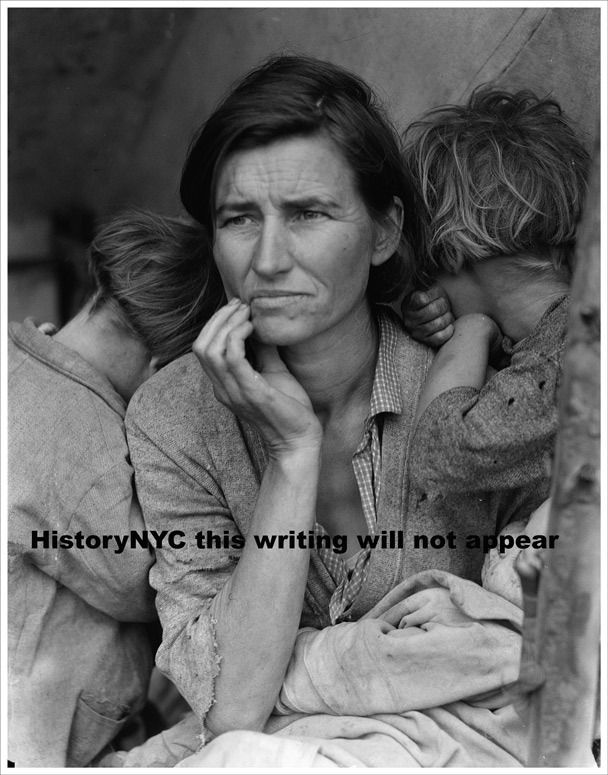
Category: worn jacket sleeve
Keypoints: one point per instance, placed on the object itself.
(498, 438)
(179, 492)
(111, 580)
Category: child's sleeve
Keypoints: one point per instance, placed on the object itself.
(496, 438)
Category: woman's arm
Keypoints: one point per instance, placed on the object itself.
(182, 485)
(227, 652)
(258, 611)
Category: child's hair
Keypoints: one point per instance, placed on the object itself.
(502, 175)
(159, 277)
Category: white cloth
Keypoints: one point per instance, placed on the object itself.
(379, 693)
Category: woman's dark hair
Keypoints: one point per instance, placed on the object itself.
(502, 175)
(299, 96)
(158, 276)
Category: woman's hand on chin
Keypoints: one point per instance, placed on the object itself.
(271, 398)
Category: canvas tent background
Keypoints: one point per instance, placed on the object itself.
(103, 102)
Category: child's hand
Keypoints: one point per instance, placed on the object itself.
(427, 316)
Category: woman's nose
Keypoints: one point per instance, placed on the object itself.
(272, 253)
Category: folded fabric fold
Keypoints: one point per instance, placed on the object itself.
(372, 666)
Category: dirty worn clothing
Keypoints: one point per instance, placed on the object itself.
(380, 692)
(198, 469)
(500, 437)
(79, 653)
(367, 466)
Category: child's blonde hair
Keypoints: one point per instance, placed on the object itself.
(502, 175)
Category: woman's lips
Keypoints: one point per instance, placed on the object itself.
(272, 299)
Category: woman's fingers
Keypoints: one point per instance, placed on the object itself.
(215, 324)
(234, 344)
(397, 612)
(210, 345)
(221, 350)
(420, 608)
(270, 398)
(418, 617)
(211, 348)
(249, 385)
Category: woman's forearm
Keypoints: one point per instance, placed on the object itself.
(258, 611)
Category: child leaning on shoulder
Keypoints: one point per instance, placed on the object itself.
(501, 183)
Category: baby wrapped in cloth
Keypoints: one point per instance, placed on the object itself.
(421, 680)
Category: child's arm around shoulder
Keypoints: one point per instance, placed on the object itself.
(463, 360)
(486, 435)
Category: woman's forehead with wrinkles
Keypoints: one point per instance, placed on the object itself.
(297, 172)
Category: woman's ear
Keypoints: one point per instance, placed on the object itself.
(388, 233)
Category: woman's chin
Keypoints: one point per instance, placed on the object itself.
(278, 334)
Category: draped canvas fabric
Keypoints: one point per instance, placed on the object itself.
(414, 58)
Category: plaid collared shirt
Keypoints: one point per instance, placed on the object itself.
(350, 574)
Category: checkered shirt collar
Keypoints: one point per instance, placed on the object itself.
(386, 392)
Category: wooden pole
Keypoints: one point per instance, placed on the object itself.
(567, 632)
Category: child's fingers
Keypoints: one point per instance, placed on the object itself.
(440, 337)
(432, 338)
(424, 313)
(435, 325)
(415, 301)
(427, 315)
(419, 299)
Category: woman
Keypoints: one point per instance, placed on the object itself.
(287, 452)
(80, 653)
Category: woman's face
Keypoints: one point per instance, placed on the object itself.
(293, 238)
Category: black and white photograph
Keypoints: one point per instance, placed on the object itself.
(302, 363)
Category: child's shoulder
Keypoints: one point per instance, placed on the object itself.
(549, 335)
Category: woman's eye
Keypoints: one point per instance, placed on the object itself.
(237, 220)
(310, 215)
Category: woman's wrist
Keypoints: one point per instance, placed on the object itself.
(301, 455)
